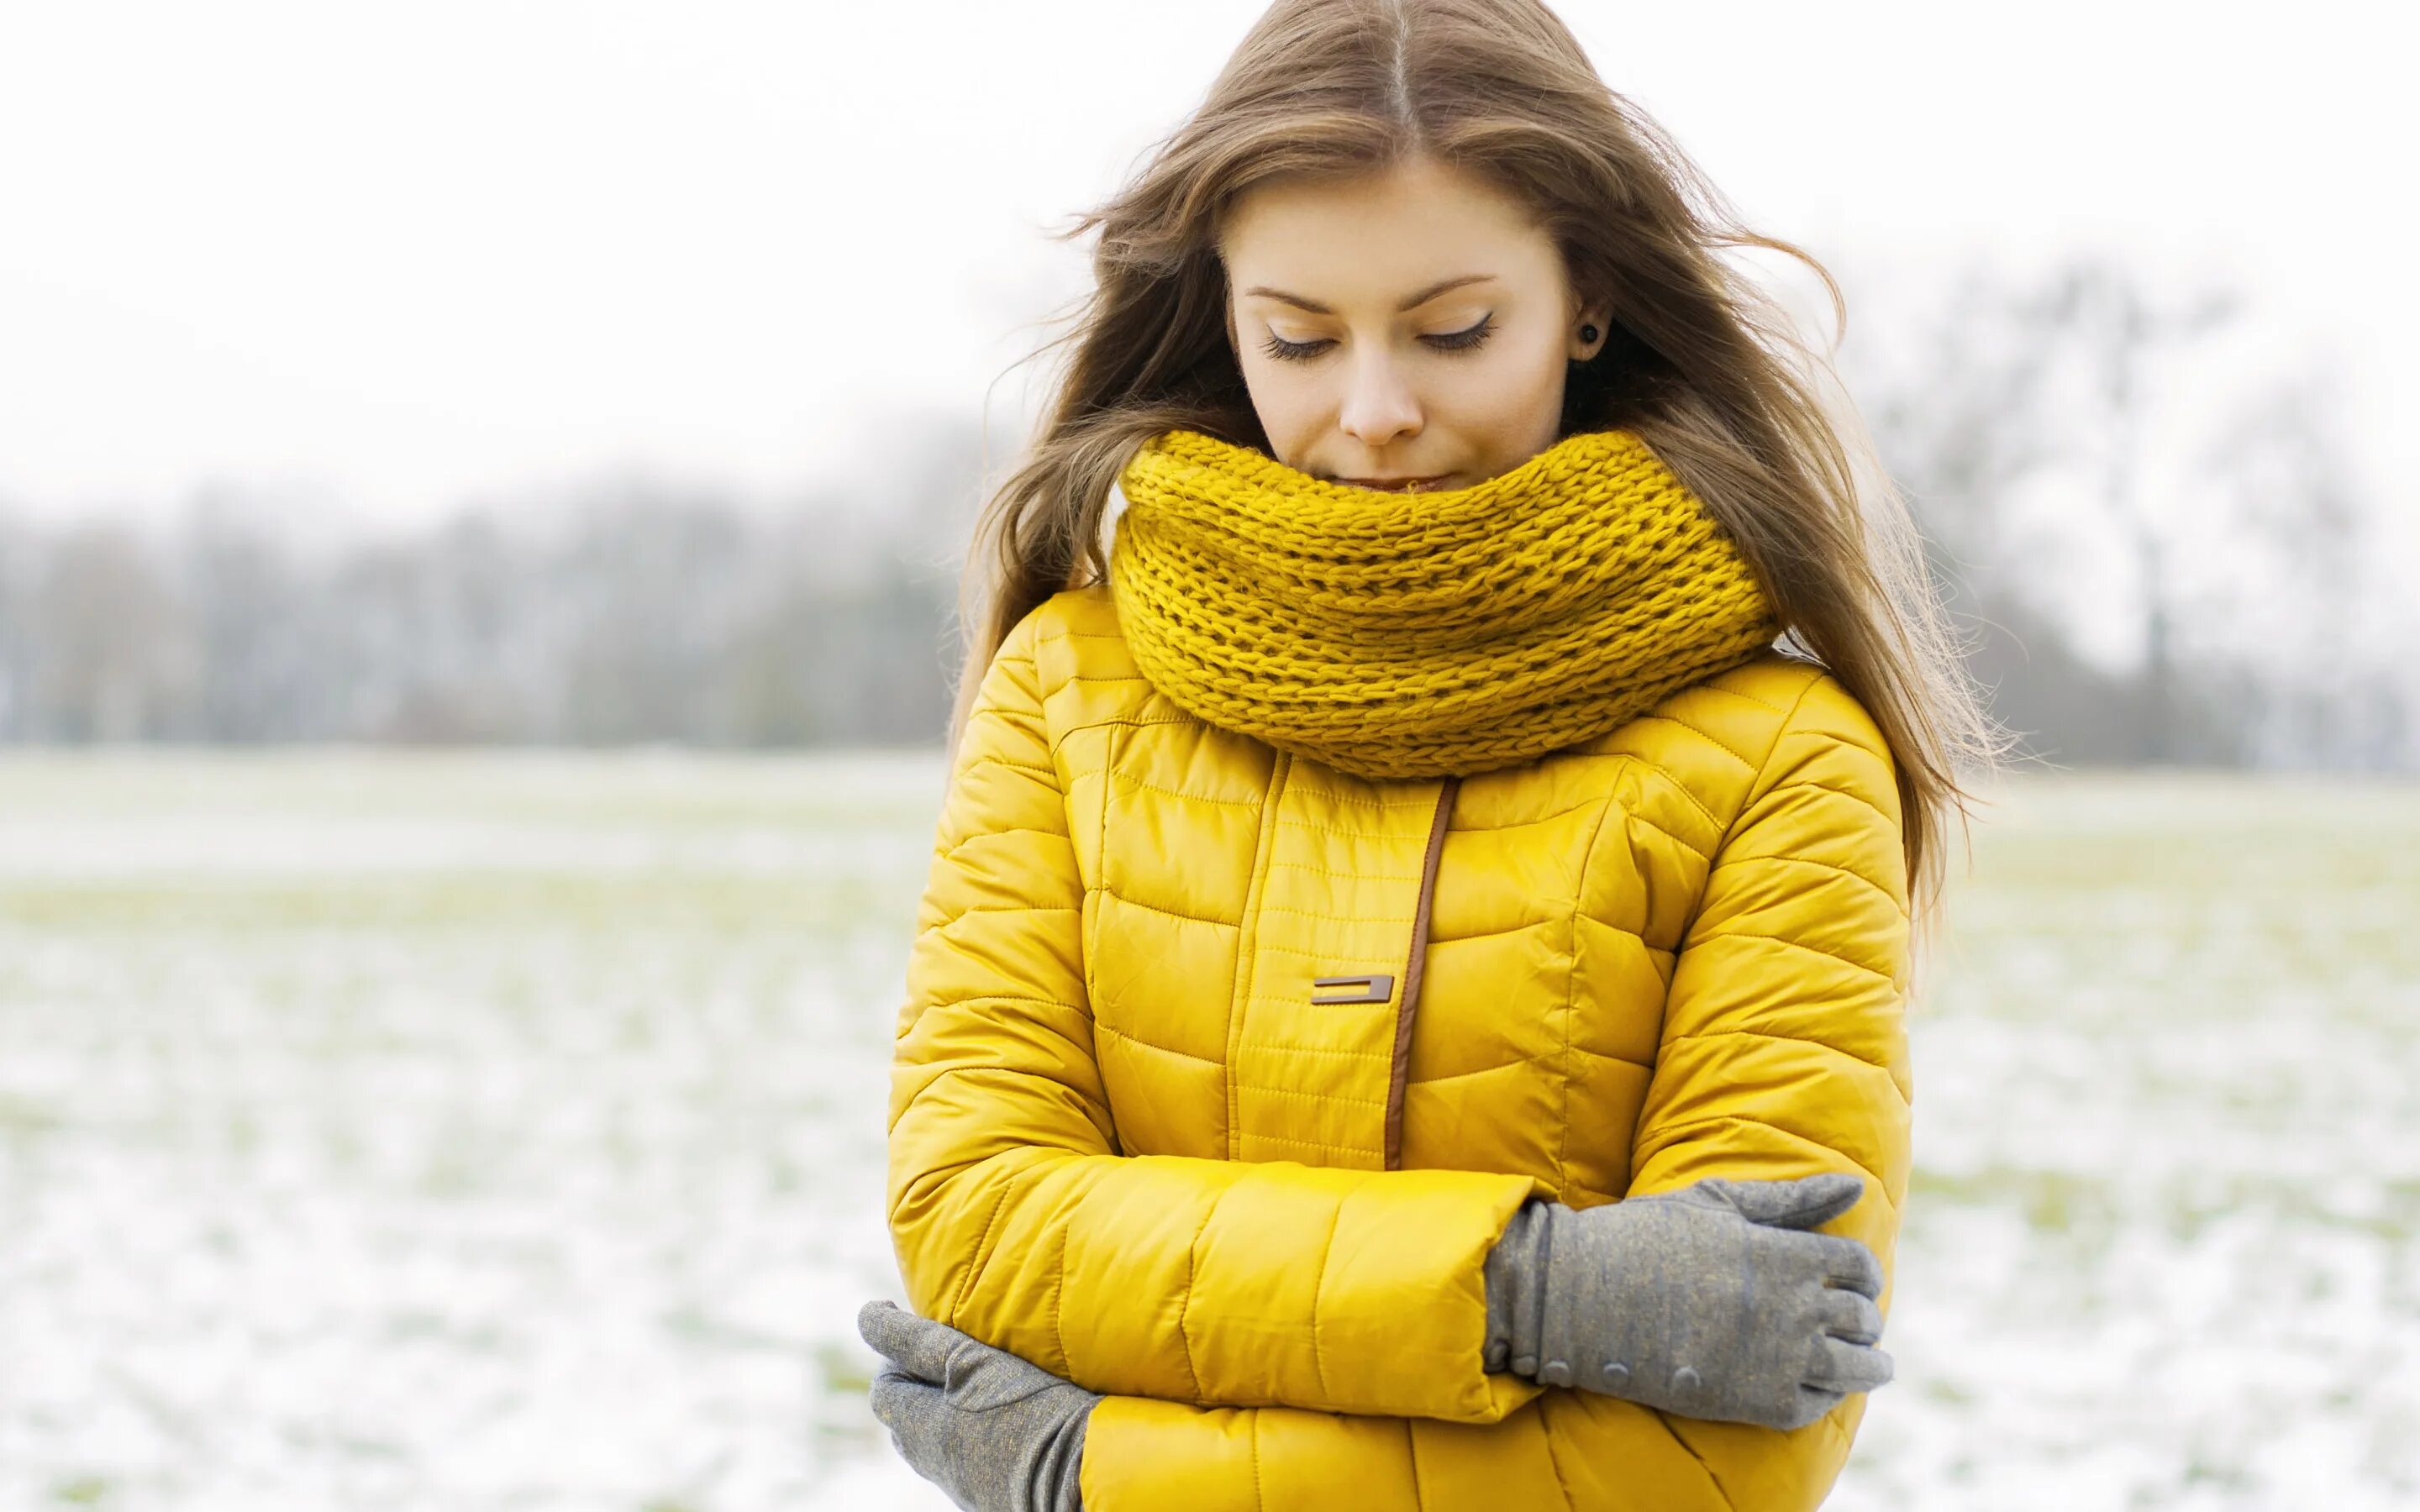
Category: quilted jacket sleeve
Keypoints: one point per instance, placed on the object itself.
(1782, 1054)
(1197, 1280)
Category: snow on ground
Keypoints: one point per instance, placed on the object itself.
(405, 1131)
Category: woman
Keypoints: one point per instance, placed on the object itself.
(1406, 1007)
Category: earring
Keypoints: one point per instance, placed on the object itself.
(1587, 332)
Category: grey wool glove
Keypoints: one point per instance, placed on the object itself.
(996, 1431)
(1707, 1302)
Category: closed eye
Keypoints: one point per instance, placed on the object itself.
(1452, 341)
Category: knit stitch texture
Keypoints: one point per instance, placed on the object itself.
(1404, 636)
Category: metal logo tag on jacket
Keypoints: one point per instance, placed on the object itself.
(1372, 989)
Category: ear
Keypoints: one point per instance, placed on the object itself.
(1597, 313)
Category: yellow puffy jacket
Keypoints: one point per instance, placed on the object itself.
(1176, 996)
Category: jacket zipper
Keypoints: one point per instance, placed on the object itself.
(1400, 1066)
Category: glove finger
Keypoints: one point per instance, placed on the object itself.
(1837, 1365)
(1813, 1402)
(1847, 1315)
(1848, 1263)
(920, 1346)
(1803, 1203)
(899, 1398)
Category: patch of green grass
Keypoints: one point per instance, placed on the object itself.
(24, 1118)
(2081, 1210)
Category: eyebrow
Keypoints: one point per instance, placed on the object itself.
(1413, 303)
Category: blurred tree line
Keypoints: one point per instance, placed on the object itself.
(630, 610)
(2065, 456)
(2082, 451)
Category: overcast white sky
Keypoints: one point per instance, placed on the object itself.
(384, 258)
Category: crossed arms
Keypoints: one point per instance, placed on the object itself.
(1268, 1332)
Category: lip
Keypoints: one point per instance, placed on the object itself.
(1395, 485)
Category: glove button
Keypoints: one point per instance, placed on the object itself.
(1556, 1373)
(1685, 1380)
(1615, 1374)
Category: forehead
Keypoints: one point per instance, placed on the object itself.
(1373, 236)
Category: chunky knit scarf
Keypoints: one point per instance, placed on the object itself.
(1396, 636)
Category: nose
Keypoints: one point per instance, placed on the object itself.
(1379, 406)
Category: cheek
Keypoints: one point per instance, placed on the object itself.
(1509, 398)
(1292, 409)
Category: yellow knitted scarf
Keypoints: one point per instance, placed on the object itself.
(1421, 635)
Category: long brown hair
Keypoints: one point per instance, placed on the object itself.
(1703, 365)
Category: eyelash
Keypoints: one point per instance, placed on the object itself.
(1452, 340)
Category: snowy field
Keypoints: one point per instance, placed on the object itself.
(505, 1132)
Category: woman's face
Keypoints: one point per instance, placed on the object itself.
(1407, 325)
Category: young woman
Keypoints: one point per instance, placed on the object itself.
(1406, 1009)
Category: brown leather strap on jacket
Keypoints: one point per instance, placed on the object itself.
(1409, 1002)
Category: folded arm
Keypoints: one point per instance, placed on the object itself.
(1212, 1282)
(1783, 1055)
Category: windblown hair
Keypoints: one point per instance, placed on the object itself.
(1701, 363)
